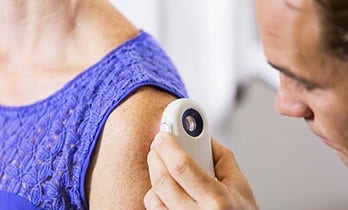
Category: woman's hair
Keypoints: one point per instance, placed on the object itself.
(334, 15)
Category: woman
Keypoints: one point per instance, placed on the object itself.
(81, 96)
(307, 41)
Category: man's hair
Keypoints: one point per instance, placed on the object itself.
(334, 17)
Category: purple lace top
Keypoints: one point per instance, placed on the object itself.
(45, 147)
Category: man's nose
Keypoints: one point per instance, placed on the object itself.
(290, 102)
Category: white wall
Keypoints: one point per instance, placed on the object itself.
(208, 41)
(198, 35)
(145, 14)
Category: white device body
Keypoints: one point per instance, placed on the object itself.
(176, 121)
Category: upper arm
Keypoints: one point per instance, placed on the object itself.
(118, 175)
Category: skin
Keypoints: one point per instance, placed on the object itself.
(118, 176)
(313, 86)
(179, 183)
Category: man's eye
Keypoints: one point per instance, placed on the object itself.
(309, 87)
(306, 86)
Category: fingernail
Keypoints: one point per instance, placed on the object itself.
(157, 140)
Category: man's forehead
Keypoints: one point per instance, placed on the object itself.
(289, 31)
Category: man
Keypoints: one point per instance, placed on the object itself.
(307, 41)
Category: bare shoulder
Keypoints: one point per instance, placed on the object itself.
(118, 174)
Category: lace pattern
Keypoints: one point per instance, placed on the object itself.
(46, 146)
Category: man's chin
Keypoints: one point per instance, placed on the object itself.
(343, 157)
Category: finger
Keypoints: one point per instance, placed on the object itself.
(228, 172)
(156, 167)
(226, 166)
(343, 157)
(196, 182)
(152, 201)
(165, 187)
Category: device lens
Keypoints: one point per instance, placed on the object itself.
(192, 122)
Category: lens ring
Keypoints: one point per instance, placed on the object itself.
(192, 122)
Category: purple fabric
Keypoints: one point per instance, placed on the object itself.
(10, 201)
(45, 147)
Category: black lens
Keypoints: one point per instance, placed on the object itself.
(192, 122)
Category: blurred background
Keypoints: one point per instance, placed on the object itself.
(217, 51)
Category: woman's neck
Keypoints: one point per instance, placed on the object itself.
(57, 32)
(36, 27)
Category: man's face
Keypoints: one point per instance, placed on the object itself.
(313, 84)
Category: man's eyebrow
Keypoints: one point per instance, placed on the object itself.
(288, 73)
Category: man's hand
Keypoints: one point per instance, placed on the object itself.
(179, 183)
